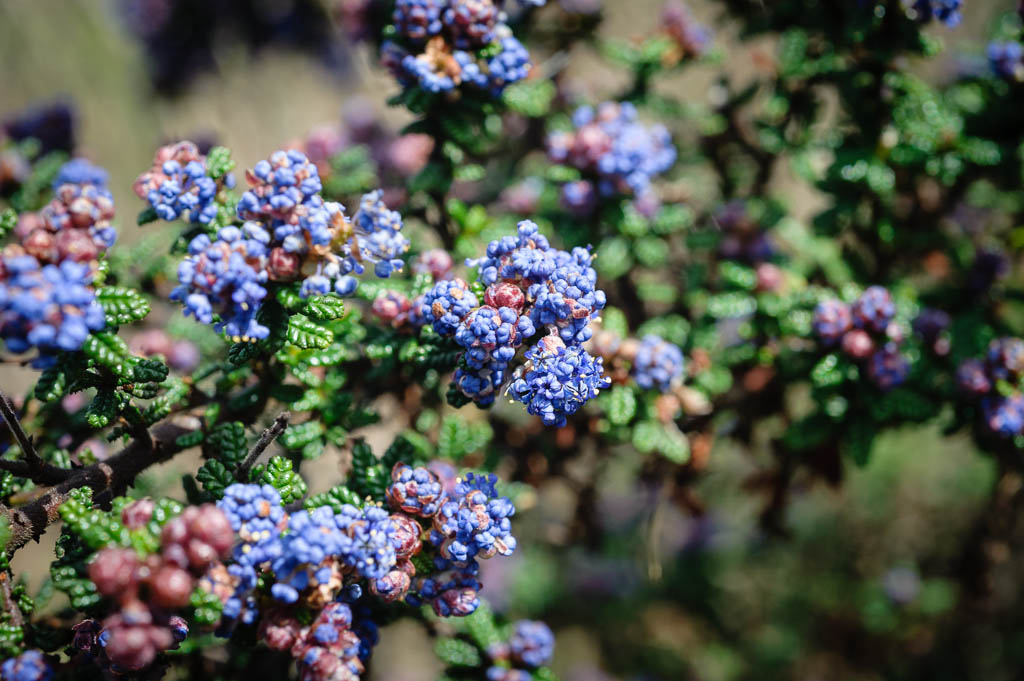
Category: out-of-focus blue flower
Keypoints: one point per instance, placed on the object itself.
(832, 318)
(1006, 59)
(658, 364)
(29, 666)
(874, 309)
(80, 171)
(50, 308)
(1004, 416)
(888, 367)
(946, 11)
(532, 644)
(418, 19)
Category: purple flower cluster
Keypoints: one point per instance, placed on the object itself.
(658, 364)
(31, 665)
(179, 186)
(866, 332)
(995, 381)
(557, 380)
(443, 44)
(290, 234)
(946, 11)
(531, 646)
(75, 225)
(1006, 59)
(50, 307)
(618, 155)
(471, 523)
(528, 286)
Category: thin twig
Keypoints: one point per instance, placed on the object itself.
(268, 436)
(10, 606)
(22, 438)
(114, 475)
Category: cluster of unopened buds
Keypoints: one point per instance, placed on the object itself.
(179, 186)
(994, 381)
(524, 286)
(866, 332)
(441, 45)
(148, 590)
(425, 548)
(288, 234)
(530, 646)
(616, 154)
(47, 300)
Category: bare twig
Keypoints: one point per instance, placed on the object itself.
(115, 475)
(32, 466)
(20, 436)
(268, 436)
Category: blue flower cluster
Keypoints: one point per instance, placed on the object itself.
(473, 522)
(1006, 59)
(658, 364)
(80, 171)
(179, 186)
(321, 546)
(530, 646)
(946, 11)
(31, 665)
(415, 491)
(443, 44)
(290, 234)
(996, 382)
(617, 154)
(52, 308)
(557, 380)
(529, 286)
(866, 331)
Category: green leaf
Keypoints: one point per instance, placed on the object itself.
(108, 350)
(279, 474)
(299, 435)
(226, 442)
(103, 409)
(150, 371)
(621, 405)
(52, 384)
(121, 305)
(214, 477)
(336, 497)
(219, 162)
(8, 219)
(304, 333)
(325, 308)
(147, 216)
(457, 653)
(530, 97)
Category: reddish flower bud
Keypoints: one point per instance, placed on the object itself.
(170, 586)
(858, 344)
(113, 571)
(504, 294)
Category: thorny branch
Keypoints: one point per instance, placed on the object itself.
(32, 465)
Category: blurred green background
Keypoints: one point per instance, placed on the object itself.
(870, 584)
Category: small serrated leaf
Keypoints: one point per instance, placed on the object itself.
(325, 308)
(121, 305)
(103, 409)
(304, 333)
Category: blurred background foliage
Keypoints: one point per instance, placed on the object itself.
(871, 579)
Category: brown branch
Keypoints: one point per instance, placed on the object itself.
(268, 436)
(115, 474)
(33, 466)
(10, 605)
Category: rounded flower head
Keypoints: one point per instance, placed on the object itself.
(256, 516)
(832, 318)
(532, 643)
(178, 186)
(557, 380)
(80, 171)
(1005, 358)
(1004, 416)
(226, 277)
(447, 304)
(474, 522)
(277, 185)
(658, 364)
(874, 309)
(50, 308)
(888, 367)
(415, 491)
(972, 377)
(31, 665)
